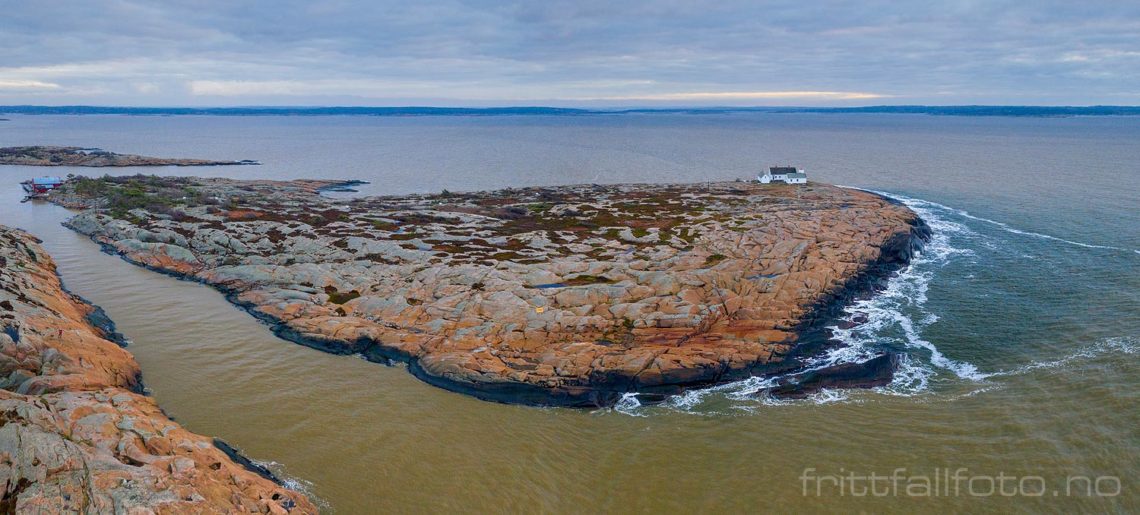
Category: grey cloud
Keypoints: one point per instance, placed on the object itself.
(217, 52)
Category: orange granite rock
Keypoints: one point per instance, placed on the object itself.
(569, 295)
(75, 433)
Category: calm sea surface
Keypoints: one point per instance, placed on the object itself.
(1020, 322)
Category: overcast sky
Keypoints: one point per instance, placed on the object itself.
(575, 53)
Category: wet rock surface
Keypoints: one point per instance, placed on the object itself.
(75, 433)
(78, 156)
(567, 295)
(877, 371)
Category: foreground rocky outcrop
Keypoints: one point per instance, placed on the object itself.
(75, 433)
(78, 156)
(558, 296)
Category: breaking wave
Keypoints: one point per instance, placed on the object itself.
(897, 316)
(294, 483)
(894, 319)
(1002, 225)
(1121, 344)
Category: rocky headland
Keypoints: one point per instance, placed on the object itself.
(76, 435)
(93, 157)
(571, 295)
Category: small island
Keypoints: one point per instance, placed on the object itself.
(566, 296)
(93, 157)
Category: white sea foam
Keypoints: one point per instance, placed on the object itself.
(901, 307)
(937, 252)
(894, 317)
(827, 396)
(1013, 230)
(292, 483)
(628, 404)
(910, 202)
(1121, 344)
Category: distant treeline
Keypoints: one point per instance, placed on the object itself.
(976, 110)
(987, 110)
(295, 111)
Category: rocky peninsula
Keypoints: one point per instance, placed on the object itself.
(570, 296)
(76, 435)
(93, 157)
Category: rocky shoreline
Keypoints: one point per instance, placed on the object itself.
(93, 157)
(76, 433)
(566, 296)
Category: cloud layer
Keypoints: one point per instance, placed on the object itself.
(581, 52)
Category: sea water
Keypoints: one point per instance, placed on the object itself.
(1018, 323)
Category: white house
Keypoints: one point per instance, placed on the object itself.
(788, 174)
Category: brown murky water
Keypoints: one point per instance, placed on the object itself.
(1049, 395)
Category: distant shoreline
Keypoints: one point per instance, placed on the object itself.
(96, 158)
(967, 110)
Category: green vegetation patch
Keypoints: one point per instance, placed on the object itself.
(584, 279)
(336, 297)
(122, 194)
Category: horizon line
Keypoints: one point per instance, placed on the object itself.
(545, 106)
(993, 110)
